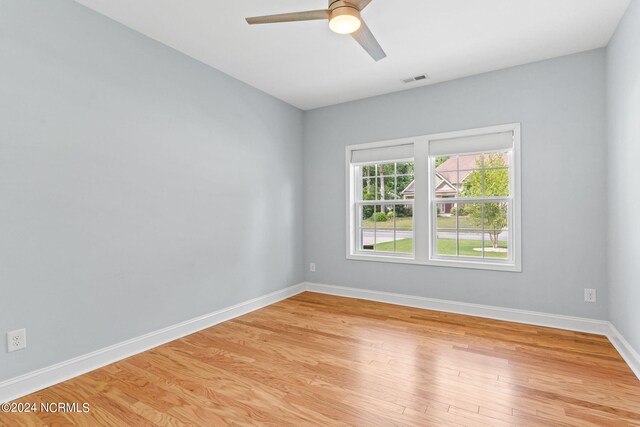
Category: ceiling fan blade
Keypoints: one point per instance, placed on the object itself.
(359, 4)
(309, 15)
(369, 42)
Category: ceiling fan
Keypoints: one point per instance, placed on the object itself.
(344, 18)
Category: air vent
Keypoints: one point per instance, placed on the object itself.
(416, 78)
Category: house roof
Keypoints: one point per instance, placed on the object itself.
(447, 175)
(442, 186)
(449, 169)
(410, 189)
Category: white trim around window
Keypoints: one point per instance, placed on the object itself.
(503, 138)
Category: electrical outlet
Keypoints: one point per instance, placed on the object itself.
(16, 340)
(312, 267)
(590, 295)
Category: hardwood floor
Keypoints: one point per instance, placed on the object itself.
(322, 360)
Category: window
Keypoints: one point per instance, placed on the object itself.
(449, 199)
(385, 216)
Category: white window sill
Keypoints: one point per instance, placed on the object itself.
(469, 264)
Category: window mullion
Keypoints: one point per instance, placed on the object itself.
(395, 196)
(422, 216)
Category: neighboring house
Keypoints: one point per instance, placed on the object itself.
(450, 177)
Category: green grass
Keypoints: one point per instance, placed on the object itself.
(446, 247)
(401, 223)
(402, 246)
(448, 222)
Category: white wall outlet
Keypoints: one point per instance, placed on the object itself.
(590, 295)
(16, 340)
(312, 267)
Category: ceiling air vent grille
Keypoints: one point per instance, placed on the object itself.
(416, 78)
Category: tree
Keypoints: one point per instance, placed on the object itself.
(368, 189)
(440, 160)
(384, 182)
(495, 183)
(382, 190)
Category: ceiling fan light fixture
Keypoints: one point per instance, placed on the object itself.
(345, 20)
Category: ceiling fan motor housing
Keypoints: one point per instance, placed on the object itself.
(338, 4)
(344, 18)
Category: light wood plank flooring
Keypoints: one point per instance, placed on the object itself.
(322, 360)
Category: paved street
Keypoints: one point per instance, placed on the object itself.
(387, 236)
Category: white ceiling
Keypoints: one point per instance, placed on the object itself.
(308, 66)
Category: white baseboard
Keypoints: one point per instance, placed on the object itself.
(37, 380)
(579, 324)
(600, 327)
(624, 348)
(22, 385)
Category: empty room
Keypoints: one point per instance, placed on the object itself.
(312, 213)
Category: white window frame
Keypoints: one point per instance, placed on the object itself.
(360, 203)
(424, 205)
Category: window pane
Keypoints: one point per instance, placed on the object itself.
(446, 163)
(383, 187)
(455, 172)
(405, 168)
(496, 248)
(459, 229)
(368, 188)
(495, 216)
(473, 175)
(470, 161)
(496, 160)
(473, 230)
(377, 225)
(470, 242)
(366, 239)
(368, 170)
(387, 226)
(496, 182)
(395, 233)
(405, 188)
(386, 185)
(387, 169)
(446, 231)
(377, 188)
(496, 174)
(366, 227)
(470, 229)
(384, 232)
(367, 173)
(365, 218)
(496, 224)
(444, 183)
(471, 183)
(390, 188)
(404, 228)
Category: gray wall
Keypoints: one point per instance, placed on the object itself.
(561, 105)
(138, 187)
(623, 84)
(117, 216)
